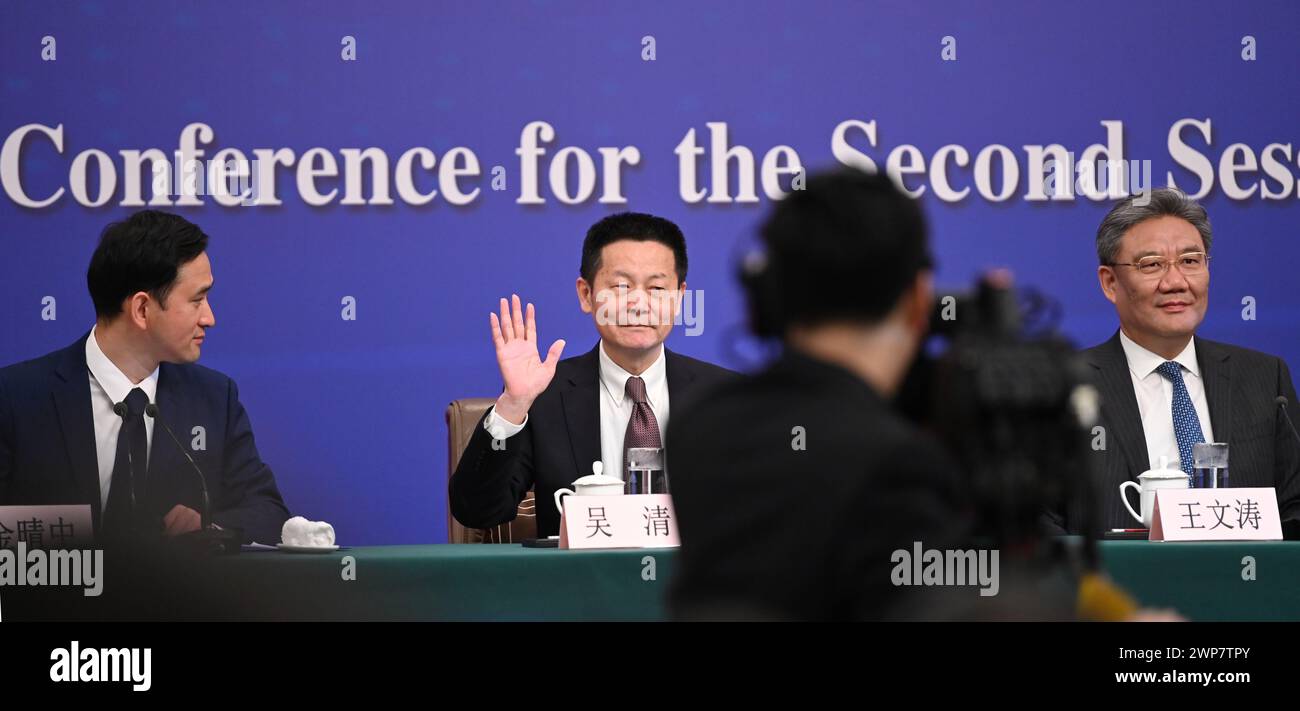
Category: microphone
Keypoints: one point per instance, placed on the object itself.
(209, 539)
(121, 410)
(1290, 528)
(205, 515)
(1282, 405)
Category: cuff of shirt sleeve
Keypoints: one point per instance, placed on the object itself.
(499, 428)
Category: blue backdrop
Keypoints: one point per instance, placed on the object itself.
(349, 413)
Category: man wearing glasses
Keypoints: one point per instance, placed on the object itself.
(1162, 387)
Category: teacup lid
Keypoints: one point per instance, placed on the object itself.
(1164, 472)
(596, 478)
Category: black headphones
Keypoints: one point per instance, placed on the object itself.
(757, 274)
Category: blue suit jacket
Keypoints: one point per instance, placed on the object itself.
(47, 444)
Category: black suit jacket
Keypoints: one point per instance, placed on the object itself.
(1241, 387)
(777, 528)
(557, 445)
(47, 444)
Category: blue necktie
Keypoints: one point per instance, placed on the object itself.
(1187, 426)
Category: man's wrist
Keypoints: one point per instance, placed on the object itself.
(512, 410)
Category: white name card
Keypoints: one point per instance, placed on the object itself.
(627, 521)
(49, 527)
(1216, 515)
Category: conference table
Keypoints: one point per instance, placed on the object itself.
(1208, 581)
(1203, 581)
(483, 582)
(468, 582)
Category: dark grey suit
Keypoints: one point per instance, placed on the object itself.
(1241, 387)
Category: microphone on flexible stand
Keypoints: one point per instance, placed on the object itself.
(1282, 403)
(209, 538)
(1290, 529)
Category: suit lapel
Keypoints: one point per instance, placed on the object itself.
(678, 375)
(1216, 373)
(71, 392)
(581, 401)
(1120, 404)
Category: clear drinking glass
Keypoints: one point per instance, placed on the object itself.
(1209, 465)
(645, 471)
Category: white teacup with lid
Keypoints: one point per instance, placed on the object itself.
(594, 484)
(1148, 483)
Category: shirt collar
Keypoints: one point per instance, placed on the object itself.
(115, 383)
(614, 378)
(1143, 362)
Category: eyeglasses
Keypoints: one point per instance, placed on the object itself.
(1189, 263)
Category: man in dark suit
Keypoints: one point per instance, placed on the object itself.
(1163, 388)
(555, 418)
(796, 488)
(73, 423)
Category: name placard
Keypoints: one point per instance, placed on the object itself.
(627, 521)
(1216, 515)
(49, 527)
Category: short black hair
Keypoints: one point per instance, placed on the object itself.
(844, 248)
(144, 252)
(636, 226)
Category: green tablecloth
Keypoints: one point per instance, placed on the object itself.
(453, 582)
(1203, 581)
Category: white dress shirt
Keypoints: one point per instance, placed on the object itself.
(108, 385)
(1155, 398)
(615, 411)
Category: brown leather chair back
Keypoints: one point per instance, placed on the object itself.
(462, 417)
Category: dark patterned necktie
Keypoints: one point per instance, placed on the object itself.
(642, 428)
(122, 514)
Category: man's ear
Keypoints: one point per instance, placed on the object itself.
(135, 308)
(1109, 281)
(921, 301)
(584, 295)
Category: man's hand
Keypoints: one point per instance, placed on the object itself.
(181, 519)
(525, 374)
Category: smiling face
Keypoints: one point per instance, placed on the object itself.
(1160, 312)
(634, 296)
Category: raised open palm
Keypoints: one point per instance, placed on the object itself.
(523, 371)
